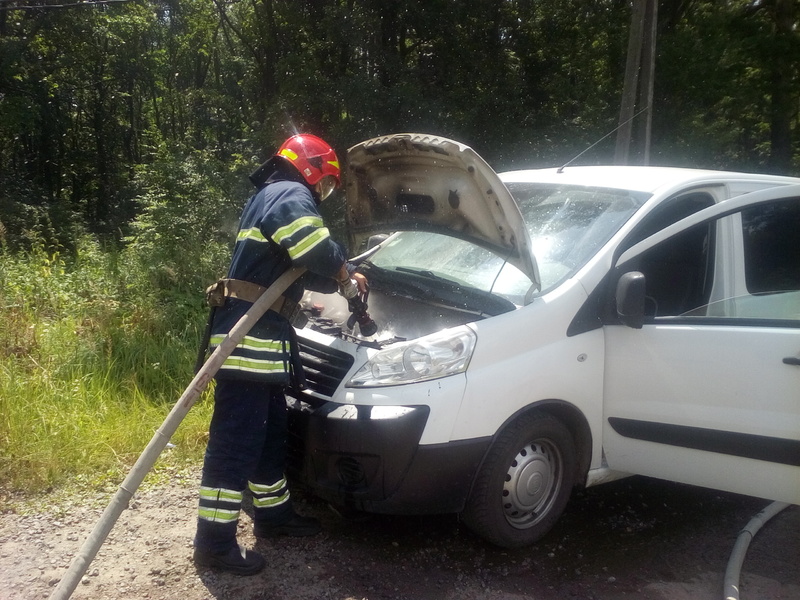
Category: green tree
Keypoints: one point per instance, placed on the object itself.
(90, 96)
(727, 84)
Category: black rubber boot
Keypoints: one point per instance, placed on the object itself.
(237, 561)
(296, 526)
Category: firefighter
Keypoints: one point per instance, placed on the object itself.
(280, 227)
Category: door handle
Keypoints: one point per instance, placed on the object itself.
(792, 360)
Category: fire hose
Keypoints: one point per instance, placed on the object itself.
(731, 582)
(162, 436)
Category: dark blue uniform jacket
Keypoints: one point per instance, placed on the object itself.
(280, 227)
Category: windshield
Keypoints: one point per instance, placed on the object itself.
(567, 226)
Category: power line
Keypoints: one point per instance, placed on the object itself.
(8, 5)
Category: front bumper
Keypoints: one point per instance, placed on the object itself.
(369, 458)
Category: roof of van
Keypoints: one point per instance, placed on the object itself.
(643, 179)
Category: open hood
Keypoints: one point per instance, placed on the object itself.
(413, 181)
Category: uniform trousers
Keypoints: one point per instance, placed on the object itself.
(246, 450)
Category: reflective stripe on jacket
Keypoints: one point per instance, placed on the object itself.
(279, 227)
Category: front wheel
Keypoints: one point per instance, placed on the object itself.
(524, 483)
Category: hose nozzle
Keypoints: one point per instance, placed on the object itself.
(357, 303)
(358, 308)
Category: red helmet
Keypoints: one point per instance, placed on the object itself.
(312, 156)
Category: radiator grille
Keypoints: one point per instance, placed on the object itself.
(324, 367)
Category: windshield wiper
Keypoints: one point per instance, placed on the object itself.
(432, 288)
(425, 273)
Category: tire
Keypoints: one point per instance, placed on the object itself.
(524, 483)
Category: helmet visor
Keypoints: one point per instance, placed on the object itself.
(325, 186)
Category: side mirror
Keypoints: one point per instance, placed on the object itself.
(630, 299)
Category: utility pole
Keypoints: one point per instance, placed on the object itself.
(648, 76)
(640, 61)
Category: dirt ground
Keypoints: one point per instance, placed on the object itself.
(636, 538)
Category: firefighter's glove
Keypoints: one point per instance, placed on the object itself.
(348, 288)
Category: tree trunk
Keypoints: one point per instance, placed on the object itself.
(782, 73)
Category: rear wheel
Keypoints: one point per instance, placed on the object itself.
(524, 483)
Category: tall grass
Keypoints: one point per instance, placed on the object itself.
(90, 364)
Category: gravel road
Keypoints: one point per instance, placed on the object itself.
(636, 538)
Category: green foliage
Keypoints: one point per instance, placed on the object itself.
(86, 373)
(127, 132)
(182, 238)
(715, 78)
(93, 96)
(47, 282)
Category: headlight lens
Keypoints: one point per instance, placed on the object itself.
(437, 355)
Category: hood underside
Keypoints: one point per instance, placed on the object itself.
(415, 181)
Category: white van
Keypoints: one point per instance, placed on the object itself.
(547, 329)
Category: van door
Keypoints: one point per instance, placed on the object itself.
(707, 391)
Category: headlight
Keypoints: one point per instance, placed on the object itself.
(437, 355)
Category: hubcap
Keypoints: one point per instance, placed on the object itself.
(531, 484)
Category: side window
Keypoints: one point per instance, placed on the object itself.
(771, 239)
(668, 213)
(771, 256)
(679, 273)
(771, 235)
